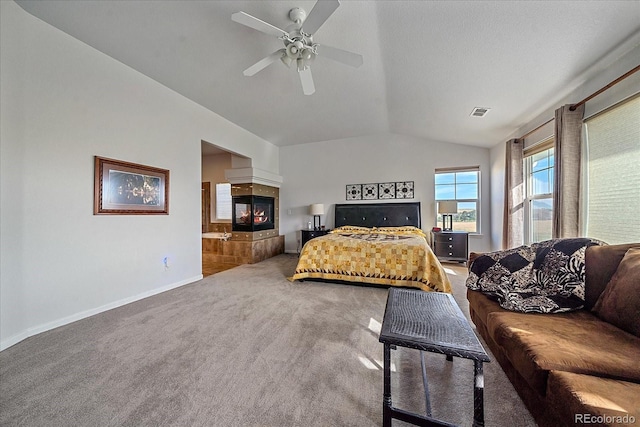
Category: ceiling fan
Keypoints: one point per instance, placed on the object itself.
(298, 41)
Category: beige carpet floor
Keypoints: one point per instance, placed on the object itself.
(244, 347)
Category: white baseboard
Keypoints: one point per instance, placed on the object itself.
(15, 339)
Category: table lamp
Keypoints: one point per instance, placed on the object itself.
(446, 208)
(316, 210)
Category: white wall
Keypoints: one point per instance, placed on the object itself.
(13, 301)
(318, 173)
(63, 102)
(614, 65)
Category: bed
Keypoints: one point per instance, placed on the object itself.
(374, 243)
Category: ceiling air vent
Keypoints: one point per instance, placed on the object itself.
(479, 112)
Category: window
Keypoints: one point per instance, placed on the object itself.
(613, 174)
(538, 170)
(463, 186)
(223, 201)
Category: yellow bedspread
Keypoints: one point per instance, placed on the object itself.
(397, 256)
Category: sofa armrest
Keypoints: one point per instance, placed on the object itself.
(472, 257)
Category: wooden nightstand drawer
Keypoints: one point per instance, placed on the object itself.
(450, 245)
(311, 234)
(450, 250)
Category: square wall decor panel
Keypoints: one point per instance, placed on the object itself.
(369, 191)
(404, 190)
(354, 192)
(387, 190)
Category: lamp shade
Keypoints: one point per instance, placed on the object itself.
(316, 209)
(447, 207)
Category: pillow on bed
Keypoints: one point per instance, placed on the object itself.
(404, 230)
(351, 229)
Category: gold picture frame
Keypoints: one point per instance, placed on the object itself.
(124, 188)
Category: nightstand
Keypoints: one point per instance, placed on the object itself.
(311, 234)
(450, 245)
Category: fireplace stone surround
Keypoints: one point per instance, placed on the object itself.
(253, 189)
(248, 247)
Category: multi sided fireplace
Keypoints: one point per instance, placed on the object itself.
(253, 213)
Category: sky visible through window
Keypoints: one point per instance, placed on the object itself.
(540, 171)
(463, 187)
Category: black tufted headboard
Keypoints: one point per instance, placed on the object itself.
(378, 214)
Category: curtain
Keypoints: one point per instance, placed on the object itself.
(513, 221)
(566, 185)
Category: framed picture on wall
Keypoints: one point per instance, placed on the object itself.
(123, 188)
(404, 190)
(354, 192)
(369, 191)
(387, 190)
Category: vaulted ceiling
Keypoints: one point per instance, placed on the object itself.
(427, 64)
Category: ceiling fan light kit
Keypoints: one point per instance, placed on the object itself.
(298, 42)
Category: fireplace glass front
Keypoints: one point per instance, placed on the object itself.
(253, 213)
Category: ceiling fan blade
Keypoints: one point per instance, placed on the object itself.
(307, 81)
(321, 11)
(263, 63)
(257, 24)
(349, 58)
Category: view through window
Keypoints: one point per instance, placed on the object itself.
(539, 171)
(463, 186)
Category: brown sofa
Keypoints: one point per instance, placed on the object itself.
(570, 368)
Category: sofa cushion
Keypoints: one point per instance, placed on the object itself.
(591, 398)
(482, 304)
(619, 304)
(600, 264)
(576, 342)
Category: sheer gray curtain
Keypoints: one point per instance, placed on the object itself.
(513, 221)
(566, 185)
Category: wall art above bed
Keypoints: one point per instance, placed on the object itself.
(382, 190)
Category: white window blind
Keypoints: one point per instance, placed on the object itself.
(223, 201)
(613, 174)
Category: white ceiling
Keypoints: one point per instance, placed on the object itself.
(427, 64)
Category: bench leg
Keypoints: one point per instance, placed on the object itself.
(478, 394)
(386, 398)
(425, 383)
